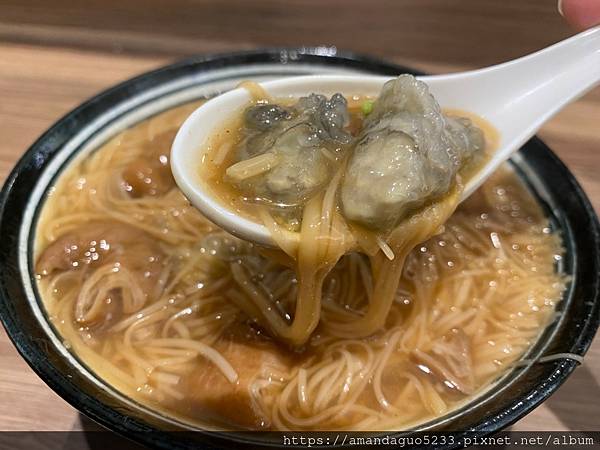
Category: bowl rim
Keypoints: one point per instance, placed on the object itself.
(42, 358)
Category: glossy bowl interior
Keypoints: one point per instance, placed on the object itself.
(93, 123)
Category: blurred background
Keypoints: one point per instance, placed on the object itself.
(54, 54)
(477, 32)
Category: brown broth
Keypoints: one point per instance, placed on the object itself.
(487, 285)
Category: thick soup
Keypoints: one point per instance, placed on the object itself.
(160, 303)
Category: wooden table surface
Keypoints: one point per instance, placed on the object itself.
(55, 54)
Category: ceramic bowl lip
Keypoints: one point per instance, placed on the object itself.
(46, 361)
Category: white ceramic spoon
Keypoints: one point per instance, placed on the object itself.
(516, 97)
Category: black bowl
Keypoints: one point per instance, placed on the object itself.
(86, 127)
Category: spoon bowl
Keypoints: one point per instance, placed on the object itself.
(516, 97)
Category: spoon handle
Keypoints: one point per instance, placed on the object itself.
(542, 83)
(519, 96)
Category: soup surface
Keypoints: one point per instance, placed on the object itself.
(148, 293)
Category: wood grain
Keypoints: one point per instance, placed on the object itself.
(54, 55)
